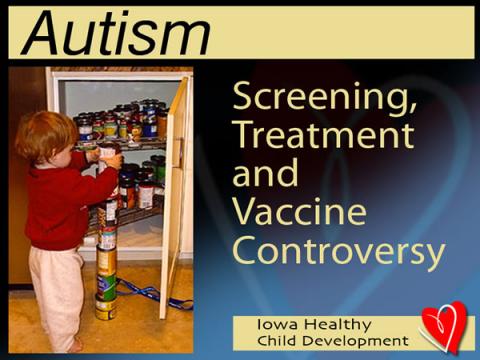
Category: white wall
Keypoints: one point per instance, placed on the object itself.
(78, 96)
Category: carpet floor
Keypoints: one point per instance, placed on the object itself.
(136, 327)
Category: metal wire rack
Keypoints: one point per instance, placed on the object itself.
(125, 216)
(142, 144)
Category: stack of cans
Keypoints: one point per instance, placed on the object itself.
(107, 214)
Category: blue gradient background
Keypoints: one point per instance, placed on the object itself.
(428, 195)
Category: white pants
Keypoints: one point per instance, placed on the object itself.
(58, 285)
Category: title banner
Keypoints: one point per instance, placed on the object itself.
(241, 32)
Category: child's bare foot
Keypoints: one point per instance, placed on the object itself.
(76, 347)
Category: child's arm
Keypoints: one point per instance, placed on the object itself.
(82, 159)
(79, 160)
(87, 190)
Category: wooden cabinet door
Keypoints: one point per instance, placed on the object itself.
(26, 93)
(174, 185)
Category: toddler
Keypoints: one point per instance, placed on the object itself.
(57, 219)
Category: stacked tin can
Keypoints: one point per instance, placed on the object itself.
(107, 213)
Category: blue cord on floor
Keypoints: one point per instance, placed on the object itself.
(152, 293)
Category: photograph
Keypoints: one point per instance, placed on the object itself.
(100, 210)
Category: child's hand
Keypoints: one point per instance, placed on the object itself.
(93, 155)
(114, 161)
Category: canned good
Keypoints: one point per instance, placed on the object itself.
(106, 287)
(107, 238)
(98, 129)
(151, 111)
(105, 314)
(127, 111)
(150, 173)
(85, 129)
(128, 172)
(87, 145)
(158, 195)
(107, 213)
(162, 115)
(110, 128)
(145, 195)
(149, 167)
(150, 128)
(105, 305)
(135, 106)
(118, 111)
(107, 149)
(123, 129)
(135, 129)
(158, 166)
(106, 261)
(140, 177)
(127, 193)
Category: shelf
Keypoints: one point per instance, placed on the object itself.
(126, 216)
(143, 144)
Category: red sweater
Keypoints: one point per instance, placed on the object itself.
(57, 202)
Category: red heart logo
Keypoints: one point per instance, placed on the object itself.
(446, 327)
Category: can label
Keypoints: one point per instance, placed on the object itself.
(106, 261)
(106, 287)
(122, 131)
(105, 152)
(145, 197)
(162, 126)
(150, 131)
(128, 197)
(136, 132)
(105, 315)
(110, 130)
(107, 213)
(105, 305)
(108, 238)
(85, 137)
(86, 129)
(98, 130)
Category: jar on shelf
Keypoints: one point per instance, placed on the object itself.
(158, 194)
(123, 128)
(135, 129)
(135, 105)
(127, 111)
(127, 193)
(128, 172)
(107, 149)
(107, 213)
(145, 194)
(85, 128)
(161, 105)
(158, 162)
(118, 111)
(149, 129)
(98, 129)
(149, 173)
(150, 110)
(162, 115)
(140, 177)
(110, 127)
(148, 164)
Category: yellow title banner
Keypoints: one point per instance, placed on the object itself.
(241, 32)
(338, 333)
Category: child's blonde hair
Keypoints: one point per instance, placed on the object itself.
(43, 134)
